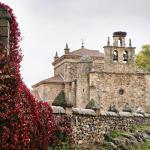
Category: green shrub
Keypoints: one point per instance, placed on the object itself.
(91, 104)
(60, 100)
(127, 108)
(112, 108)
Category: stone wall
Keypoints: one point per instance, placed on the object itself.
(68, 70)
(59, 69)
(82, 97)
(119, 89)
(89, 128)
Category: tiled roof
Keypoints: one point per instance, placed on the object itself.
(77, 54)
(55, 79)
(86, 52)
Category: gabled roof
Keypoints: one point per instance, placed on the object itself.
(55, 79)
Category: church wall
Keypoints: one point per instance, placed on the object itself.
(72, 70)
(68, 70)
(108, 88)
(40, 90)
(83, 84)
(48, 92)
(98, 66)
(59, 70)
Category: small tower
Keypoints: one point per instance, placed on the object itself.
(108, 41)
(118, 57)
(56, 56)
(66, 50)
(82, 46)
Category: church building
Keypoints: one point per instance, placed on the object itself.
(110, 79)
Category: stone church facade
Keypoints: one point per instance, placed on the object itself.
(109, 79)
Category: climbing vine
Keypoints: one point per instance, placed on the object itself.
(25, 124)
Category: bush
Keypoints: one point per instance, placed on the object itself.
(112, 108)
(63, 131)
(60, 100)
(127, 108)
(91, 104)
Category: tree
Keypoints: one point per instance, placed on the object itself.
(60, 100)
(143, 58)
(91, 104)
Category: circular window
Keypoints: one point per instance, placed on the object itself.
(121, 91)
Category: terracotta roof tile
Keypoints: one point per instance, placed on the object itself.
(84, 52)
(55, 79)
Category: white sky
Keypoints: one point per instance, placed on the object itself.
(46, 25)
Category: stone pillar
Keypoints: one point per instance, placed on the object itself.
(73, 93)
(68, 110)
(4, 37)
(68, 91)
(147, 91)
(4, 28)
(83, 90)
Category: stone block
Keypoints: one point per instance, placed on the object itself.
(68, 110)
(4, 23)
(4, 31)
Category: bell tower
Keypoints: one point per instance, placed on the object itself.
(119, 58)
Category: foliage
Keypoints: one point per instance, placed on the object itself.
(91, 104)
(117, 133)
(112, 108)
(109, 137)
(63, 131)
(113, 134)
(143, 146)
(60, 100)
(139, 128)
(127, 108)
(143, 58)
(25, 124)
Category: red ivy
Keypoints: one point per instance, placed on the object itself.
(25, 124)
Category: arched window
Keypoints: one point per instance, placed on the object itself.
(125, 56)
(120, 41)
(115, 56)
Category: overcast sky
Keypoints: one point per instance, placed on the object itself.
(46, 25)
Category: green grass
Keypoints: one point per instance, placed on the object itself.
(140, 128)
(113, 134)
(117, 133)
(144, 146)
